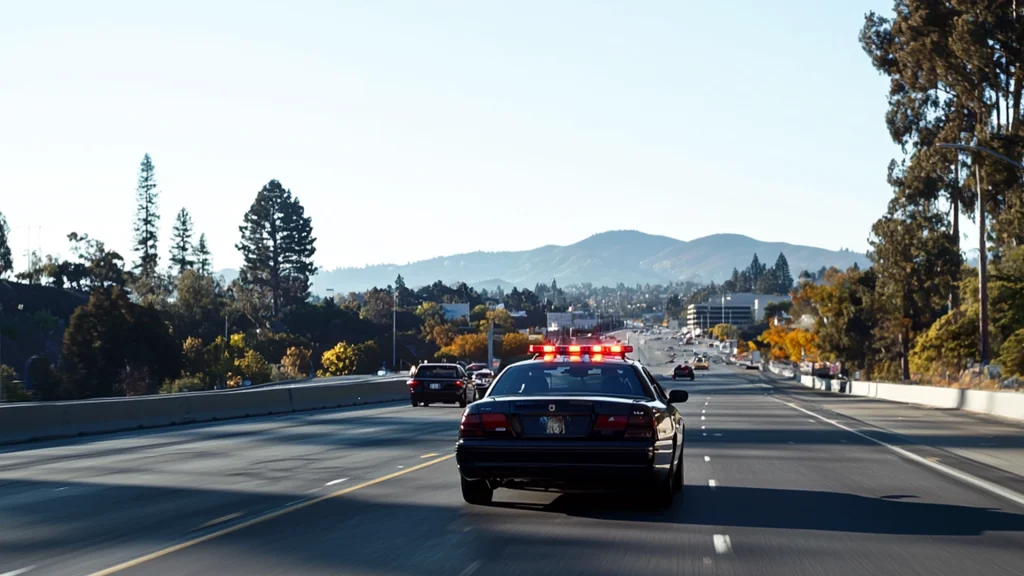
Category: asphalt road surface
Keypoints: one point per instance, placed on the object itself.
(774, 485)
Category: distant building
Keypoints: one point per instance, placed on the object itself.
(455, 311)
(741, 310)
(575, 320)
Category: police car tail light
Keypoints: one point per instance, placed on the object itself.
(471, 426)
(611, 422)
(496, 424)
(641, 424)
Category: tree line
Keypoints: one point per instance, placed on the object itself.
(956, 76)
(147, 327)
(163, 322)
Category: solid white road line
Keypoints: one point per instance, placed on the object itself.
(471, 568)
(18, 571)
(723, 544)
(338, 481)
(1011, 495)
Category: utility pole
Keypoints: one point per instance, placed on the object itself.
(394, 332)
(982, 254)
(490, 345)
(982, 274)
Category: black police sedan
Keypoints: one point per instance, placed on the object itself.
(574, 417)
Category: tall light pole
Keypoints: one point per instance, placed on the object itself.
(982, 252)
(394, 331)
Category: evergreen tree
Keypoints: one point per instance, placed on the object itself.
(181, 242)
(783, 277)
(6, 261)
(406, 297)
(277, 246)
(201, 257)
(147, 220)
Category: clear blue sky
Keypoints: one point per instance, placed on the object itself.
(416, 129)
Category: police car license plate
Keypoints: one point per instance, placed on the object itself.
(435, 386)
(555, 425)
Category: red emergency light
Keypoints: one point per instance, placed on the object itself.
(596, 350)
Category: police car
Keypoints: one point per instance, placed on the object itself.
(574, 417)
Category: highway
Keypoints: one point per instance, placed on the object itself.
(779, 480)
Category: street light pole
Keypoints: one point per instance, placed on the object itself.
(982, 253)
(394, 331)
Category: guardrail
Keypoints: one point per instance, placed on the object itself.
(43, 420)
(1003, 404)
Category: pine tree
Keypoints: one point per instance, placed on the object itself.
(147, 220)
(6, 260)
(755, 271)
(181, 242)
(201, 256)
(783, 277)
(277, 246)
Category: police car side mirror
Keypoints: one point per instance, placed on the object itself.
(678, 396)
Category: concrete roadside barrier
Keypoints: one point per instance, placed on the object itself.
(32, 421)
(348, 394)
(124, 414)
(206, 407)
(1008, 405)
(44, 420)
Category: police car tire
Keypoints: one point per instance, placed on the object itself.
(476, 492)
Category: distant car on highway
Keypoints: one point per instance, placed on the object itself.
(482, 381)
(442, 384)
(474, 368)
(573, 417)
(683, 371)
(701, 363)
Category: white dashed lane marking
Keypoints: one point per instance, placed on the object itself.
(707, 458)
(723, 544)
(712, 484)
(18, 571)
(338, 481)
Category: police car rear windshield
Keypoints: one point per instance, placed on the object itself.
(567, 379)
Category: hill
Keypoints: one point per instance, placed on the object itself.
(626, 256)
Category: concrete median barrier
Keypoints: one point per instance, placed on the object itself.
(348, 394)
(43, 420)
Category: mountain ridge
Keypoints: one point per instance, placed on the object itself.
(606, 258)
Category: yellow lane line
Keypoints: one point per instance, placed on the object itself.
(261, 519)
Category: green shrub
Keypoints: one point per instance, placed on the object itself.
(187, 383)
(253, 367)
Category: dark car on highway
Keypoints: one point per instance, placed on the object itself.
(683, 371)
(573, 417)
(481, 381)
(441, 383)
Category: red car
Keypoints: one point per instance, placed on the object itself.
(683, 371)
